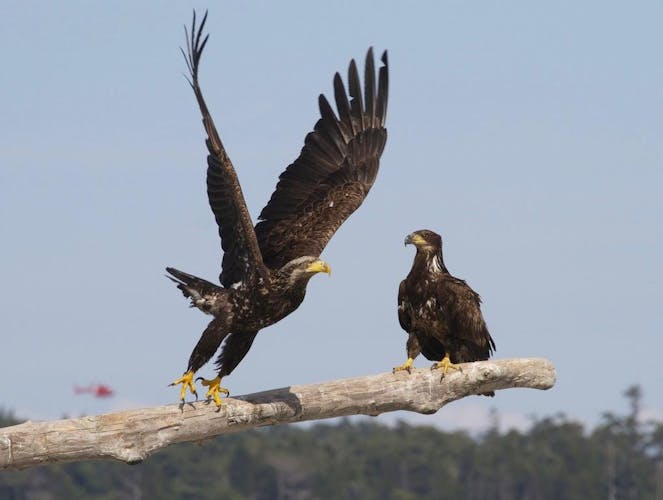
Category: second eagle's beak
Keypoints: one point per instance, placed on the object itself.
(319, 266)
(414, 239)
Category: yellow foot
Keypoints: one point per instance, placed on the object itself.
(446, 365)
(187, 383)
(405, 366)
(214, 389)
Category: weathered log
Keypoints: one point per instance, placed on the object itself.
(131, 436)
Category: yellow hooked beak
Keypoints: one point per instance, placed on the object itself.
(319, 266)
(415, 239)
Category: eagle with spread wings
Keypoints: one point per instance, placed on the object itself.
(265, 269)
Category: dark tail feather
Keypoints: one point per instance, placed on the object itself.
(192, 287)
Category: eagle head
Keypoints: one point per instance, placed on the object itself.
(304, 268)
(425, 239)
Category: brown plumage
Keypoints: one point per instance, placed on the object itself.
(440, 313)
(265, 269)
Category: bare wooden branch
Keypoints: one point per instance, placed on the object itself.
(131, 436)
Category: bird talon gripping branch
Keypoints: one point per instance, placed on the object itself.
(187, 383)
(407, 366)
(214, 389)
(446, 365)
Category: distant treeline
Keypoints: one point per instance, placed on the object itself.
(556, 459)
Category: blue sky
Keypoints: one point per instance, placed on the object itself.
(528, 135)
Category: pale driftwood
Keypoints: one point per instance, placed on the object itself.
(131, 436)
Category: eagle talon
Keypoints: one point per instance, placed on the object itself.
(446, 365)
(187, 383)
(214, 390)
(407, 366)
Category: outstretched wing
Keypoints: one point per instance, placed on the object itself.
(241, 258)
(333, 173)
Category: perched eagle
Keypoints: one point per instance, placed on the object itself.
(265, 269)
(440, 313)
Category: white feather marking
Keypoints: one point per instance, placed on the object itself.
(236, 285)
(435, 266)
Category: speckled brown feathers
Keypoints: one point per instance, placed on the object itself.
(440, 313)
(333, 173)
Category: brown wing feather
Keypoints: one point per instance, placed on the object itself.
(333, 173)
(242, 258)
(403, 315)
(469, 339)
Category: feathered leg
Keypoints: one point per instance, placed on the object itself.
(413, 350)
(234, 349)
(209, 342)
